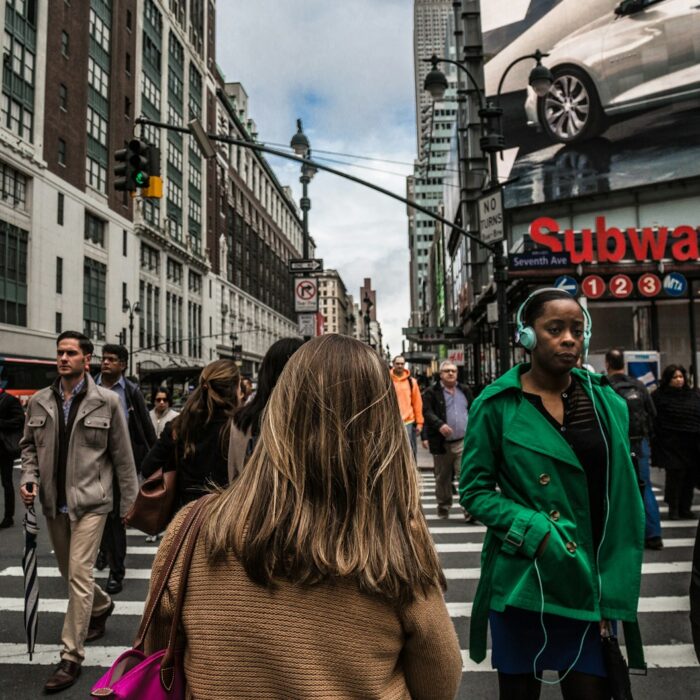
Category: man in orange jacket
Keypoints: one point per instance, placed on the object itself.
(409, 398)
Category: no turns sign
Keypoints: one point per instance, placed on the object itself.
(306, 295)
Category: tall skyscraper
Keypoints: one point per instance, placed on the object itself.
(429, 28)
(435, 129)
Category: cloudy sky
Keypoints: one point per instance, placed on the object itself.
(345, 68)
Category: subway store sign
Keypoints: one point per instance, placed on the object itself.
(610, 244)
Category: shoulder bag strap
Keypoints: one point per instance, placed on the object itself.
(159, 586)
(167, 665)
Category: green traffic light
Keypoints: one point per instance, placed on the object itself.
(141, 178)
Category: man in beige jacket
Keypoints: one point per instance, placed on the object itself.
(75, 443)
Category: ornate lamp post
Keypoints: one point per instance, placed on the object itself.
(493, 142)
(131, 309)
(300, 145)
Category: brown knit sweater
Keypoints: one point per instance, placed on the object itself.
(326, 641)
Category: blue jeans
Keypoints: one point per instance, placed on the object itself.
(412, 437)
(651, 507)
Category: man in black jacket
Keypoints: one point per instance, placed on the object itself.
(445, 411)
(142, 435)
(11, 425)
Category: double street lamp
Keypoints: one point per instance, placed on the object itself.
(131, 309)
(492, 142)
(301, 146)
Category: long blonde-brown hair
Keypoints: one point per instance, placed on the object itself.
(216, 390)
(331, 490)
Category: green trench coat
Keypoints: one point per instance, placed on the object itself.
(542, 489)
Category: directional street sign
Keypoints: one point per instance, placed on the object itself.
(307, 325)
(567, 284)
(306, 295)
(306, 265)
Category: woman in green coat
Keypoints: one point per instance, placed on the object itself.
(547, 469)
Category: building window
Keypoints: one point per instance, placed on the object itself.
(63, 97)
(97, 126)
(59, 323)
(127, 107)
(174, 271)
(124, 242)
(94, 299)
(13, 274)
(128, 20)
(98, 78)
(125, 295)
(13, 187)
(64, 43)
(61, 152)
(195, 282)
(60, 208)
(94, 229)
(96, 174)
(127, 64)
(59, 275)
(150, 259)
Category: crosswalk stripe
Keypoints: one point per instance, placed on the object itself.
(477, 529)
(657, 656)
(670, 567)
(59, 605)
(663, 567)
(48, 655)
(654, 604)
(453, 547)
(53, 572)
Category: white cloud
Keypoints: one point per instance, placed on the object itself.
(347, 69)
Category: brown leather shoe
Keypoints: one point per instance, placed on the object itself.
(96, 629)
(63, 677)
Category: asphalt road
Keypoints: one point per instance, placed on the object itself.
(673, 672)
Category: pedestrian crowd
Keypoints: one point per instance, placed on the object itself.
(301, 501)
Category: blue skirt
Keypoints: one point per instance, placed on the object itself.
(517, 637)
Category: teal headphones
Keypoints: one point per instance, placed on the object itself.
(526, 336)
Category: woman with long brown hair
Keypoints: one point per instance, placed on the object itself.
(314, 575)
(195, 443)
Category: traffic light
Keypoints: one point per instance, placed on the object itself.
(154, 189)
(122, 172)
(139, 162)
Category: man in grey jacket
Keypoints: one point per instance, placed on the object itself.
(75, 443)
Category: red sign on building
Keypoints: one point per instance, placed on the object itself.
(621, 286)
(649, 285)
(593, 286)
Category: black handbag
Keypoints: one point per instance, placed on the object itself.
(616, 667)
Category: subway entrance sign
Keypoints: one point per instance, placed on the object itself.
(491, 223)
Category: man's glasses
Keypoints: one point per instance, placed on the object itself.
(449, 371)
(161, 400)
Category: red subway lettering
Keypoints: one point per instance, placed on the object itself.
(541, 232)
(603, 236)
(687, 247)
(646, 245)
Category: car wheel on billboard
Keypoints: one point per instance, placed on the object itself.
(570, 112)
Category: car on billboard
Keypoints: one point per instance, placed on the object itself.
(642, 55)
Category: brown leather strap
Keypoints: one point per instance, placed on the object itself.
(167, 665)
(160, 584)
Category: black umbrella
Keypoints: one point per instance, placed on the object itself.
(31, 582)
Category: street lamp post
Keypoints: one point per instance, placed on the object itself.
(131, 309)
(493, 142)
(300, 145)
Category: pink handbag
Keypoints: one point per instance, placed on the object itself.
(160, 676)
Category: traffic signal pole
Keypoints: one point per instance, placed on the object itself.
(494, 249)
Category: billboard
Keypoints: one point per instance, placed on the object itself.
(623, 108)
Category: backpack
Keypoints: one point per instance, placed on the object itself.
(633, 393)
